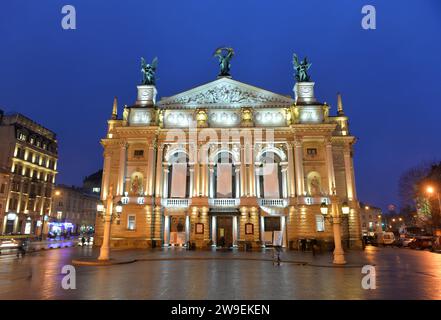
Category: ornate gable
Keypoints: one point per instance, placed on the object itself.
(225, 93)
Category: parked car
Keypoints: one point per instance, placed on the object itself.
(436, 244)
(370, 240)
(8, 244)
(421, 243)
(388, 238)
(405, 242)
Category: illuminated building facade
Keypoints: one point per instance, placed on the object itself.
(73, 210)
(227, 164)
(28, 159)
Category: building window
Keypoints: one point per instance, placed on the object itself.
(320, 223)
(22, 136)
(139, 153)
(311, 152)
(2, 188)
(131, 222)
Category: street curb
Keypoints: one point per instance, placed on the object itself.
(97, 263)
(342, 266)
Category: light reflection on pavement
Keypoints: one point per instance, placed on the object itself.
(401, 274)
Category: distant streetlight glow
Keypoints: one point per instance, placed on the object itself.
(430, 190)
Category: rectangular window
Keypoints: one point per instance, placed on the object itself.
(138, 153)
(2, 188)
(320, 223)
(311, 151)
(131, 222)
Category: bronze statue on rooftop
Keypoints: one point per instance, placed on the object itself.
(225, 54)
(149, 71)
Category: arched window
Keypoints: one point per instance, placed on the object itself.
(178, 176)
(269, 176)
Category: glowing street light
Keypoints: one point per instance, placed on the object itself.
(431, 190)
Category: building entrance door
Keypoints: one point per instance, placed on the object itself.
(224, 231)
(177, 230)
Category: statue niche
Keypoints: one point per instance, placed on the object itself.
(314, 184)
(136, 185)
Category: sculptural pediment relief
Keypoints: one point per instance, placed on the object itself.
(226, 93)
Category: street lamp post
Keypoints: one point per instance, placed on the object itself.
(431, 190)
(339, 254)
(108, 216)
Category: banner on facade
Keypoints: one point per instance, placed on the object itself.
(179, 180)
(271, 181)
(224, 180)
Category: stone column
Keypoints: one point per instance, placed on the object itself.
(243, 181)
(284, 233)
(122, 169)
(252, 187)
(348, 173)
(298, 162)
(166, 230)
(105, 247)
(191, 191)
(284, 182)
(204, 185)
(213, 230)
(237, 182)
(330, 166)
(262, 230)
(211, 182)
(158, 184)
(187, 228)
(165, 190)
(339, 254)
(196, 192)
(150, 170)
(106, 175)
(291, 180)
(256, 174)
(235, 231)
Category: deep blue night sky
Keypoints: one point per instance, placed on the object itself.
(389, 77)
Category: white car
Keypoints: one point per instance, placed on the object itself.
(8, 244)
(388, 238)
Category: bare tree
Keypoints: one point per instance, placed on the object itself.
(408, 182)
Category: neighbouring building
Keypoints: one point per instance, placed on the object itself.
(4, 192)
(227, 163)
(73, 210)
(371, 219)
(28, 163)
(92, 183)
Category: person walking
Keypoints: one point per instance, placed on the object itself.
(313, 246)
(21, 249)
(276, 257)
(83, 241)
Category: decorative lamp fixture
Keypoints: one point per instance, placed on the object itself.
(100, 206)
(345, 208)
(119, 207)
(324, 208)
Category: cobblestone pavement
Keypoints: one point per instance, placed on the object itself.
(180, 274)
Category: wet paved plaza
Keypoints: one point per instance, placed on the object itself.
(180, 274)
